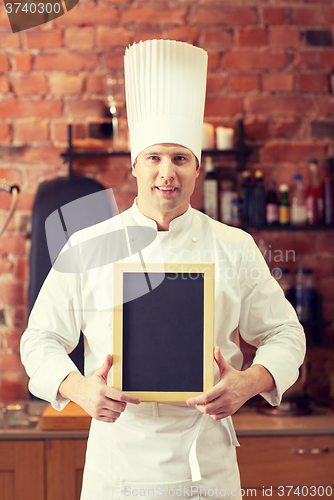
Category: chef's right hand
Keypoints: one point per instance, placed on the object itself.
(94, 395)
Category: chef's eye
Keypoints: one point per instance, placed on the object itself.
(180, 158)
(153, 158)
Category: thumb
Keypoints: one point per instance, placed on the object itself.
(105, 368)
(222, 364)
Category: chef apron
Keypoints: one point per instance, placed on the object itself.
(157, 450)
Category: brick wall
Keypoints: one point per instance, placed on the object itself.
(271, 63)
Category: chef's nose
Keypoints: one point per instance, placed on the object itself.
(167, 169)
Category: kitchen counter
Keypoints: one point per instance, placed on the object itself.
(247, 422)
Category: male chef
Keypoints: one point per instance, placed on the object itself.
(160, 450)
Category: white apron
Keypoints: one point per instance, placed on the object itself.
(159, 450)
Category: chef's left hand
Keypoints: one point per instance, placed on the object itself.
(233, 389)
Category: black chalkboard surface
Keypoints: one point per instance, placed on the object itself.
(163, 330)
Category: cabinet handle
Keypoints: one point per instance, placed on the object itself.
(312, 451)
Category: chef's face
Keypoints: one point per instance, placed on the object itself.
(166, 175)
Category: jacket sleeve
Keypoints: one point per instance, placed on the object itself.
(269, 322)
(53, 332)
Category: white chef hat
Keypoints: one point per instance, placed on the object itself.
(165, 84)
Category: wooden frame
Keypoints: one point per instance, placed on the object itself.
(205, 275)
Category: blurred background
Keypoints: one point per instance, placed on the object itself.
(270, 80)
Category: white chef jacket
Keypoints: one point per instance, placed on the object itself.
(157, 450)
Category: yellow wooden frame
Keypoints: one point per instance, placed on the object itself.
(208, 335)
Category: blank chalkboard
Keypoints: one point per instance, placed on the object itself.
(163, 330)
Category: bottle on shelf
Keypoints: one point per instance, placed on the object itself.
(329, 193)
(227, 196)
(258, 201)
(298, 215)
(245, 197)
(283, 209)
(314, 196)
(210, 189)
(271, 204)
(236, 212)
(304, 294)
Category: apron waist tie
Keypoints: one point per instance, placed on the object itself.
(193, 459)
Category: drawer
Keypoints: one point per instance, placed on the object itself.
(286, 460)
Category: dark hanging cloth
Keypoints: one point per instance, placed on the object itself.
(51, 196)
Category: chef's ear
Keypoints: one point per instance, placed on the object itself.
(134, 171)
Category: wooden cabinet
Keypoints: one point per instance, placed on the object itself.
(273, 463)
(22, 470)
(41, 470)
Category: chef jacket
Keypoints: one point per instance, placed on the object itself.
(157, 449)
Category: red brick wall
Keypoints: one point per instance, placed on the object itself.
(266, 66)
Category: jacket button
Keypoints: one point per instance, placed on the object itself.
(195, 239)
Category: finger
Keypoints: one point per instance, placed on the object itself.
(117, 395)
(105, 367)
(220, 360)
(206, 397)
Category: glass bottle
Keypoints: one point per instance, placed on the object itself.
(210, 189)
(314, 196)
(271, 204)
(329, 193)
(245, 198)
(227, 196)
(304, 293)
(258, 202)
(298, 215)
(283, 209)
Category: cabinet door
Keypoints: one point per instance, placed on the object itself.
(65, 462)
(22, 470)
(283, 461)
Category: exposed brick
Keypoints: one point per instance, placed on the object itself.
(66, 61)
(243, 83)
(59, 131)
(89, 16)
(30, 130)
(257, 130)
(4, 85)
(86, 108)
(22, 62)
(147, 15)
(5, 266)
(325, 286)
(5, 132)
(217, 38)
(79, 38)
(11, 173)
(324, 242)
(287, 127)
(147, 34)
(4, 62)
(124, 200)
(61, 83)
(16, 108)
(284, 37)
(313, 83)
(115, 177)
(311, 16)
(213, 59)
(327, 59)
(36, 155)
(12, 245)
(32, 84)
(12, 389)
(228, 15)
(114, 60)
(325, 105)
(10, 41)
(48, 39)
(113, 37)
(274, 15)
(223, 105)
(310, 59)
(252, 37)
(278, 105)
(22, 269)
(293, 151)
(278, 82)
(253, 60)
(215, 82)
(184, 34)
(96, 83)
(322, 264)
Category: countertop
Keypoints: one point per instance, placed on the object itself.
(247, 422)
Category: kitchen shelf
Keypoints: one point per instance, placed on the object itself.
(240, 153)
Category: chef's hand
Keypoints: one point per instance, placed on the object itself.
(233, 389)
(94, 395)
